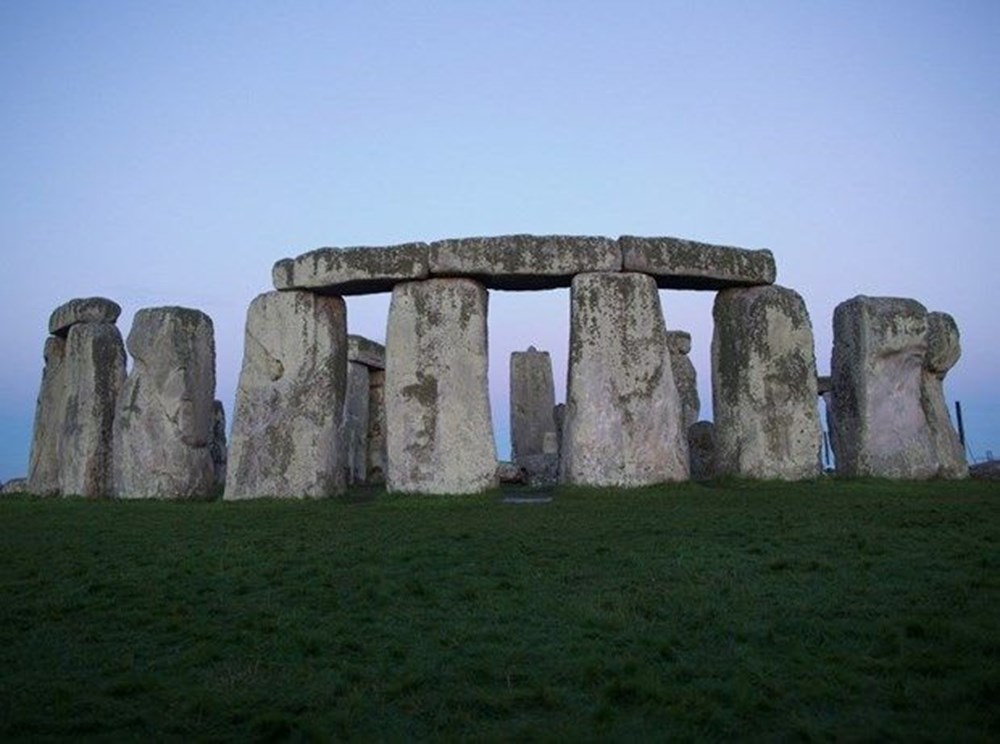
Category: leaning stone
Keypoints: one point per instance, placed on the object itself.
(365, 351)
(880, 427)
(163, 425)
(943, 351)
(764, 385)
(50, 414)
(439, 433)
(349, 271)
(375, 466)
(356, 411)
(685, 377)
(94, 374)
(532, 400)
(701, 445)
(286, 439)
(14, 485)
(686, 264)
(82, 310)
(523, 262)
(623, 424)
(218, 447)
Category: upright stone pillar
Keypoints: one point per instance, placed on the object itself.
(365, 459)
(165, 415)
(685, 377)
(764, 385)
(623, 422)
(439, 429)
(356, 412)
(943, 352)
(533, 432)
(219, 448)
(376, 462)
(290, 400)
(50, 412)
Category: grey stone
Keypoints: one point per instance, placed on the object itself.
(348, 271)
(559, 416)
(764, 385)
(376, 465)
(356, 410)
(286, 435)
(218, 447)
(685, 377)
(701, 445)
(439, 433)
(82, 310)
(365, 351)
(94, 374)
(542, 469)
(824, 384)
(509, 473)
(14, 485)
(623, 421)
(943, 351)
(50, 415)
(165, 415)
(686, 264)
(524, 262)
(532, 401)
(989, 470)
(880, 426)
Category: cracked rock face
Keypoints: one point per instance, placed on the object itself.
(165, 416)
(623, 421)
(286, 436)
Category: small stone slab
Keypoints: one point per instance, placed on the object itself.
(82, 310)
(524, 262)
(350, 271)
(364, 351)
(685, 264)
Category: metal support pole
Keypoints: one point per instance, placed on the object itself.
(961, 426)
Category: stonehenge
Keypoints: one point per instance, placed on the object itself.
(317, 410)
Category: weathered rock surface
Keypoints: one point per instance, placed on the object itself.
(509, 473)
(94, 375)
(286, 435)
(356, 411)
(218, 447)
(347, 271)
(14, 485)
(989, 470)
(165, 414)
(686, 264)
(685, 377)
(50, 414)
(376, 464)
(524, 262)
(532, 402)
(365, 351)
(623, 421)
(701, 444)
(440, 434)
(882, 384)
(764, 385)
(943, 351)
(559, 415)
(82, 310)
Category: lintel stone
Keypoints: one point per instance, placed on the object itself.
(351, 271)
(686, 264)
(364, 351)
(82, 310)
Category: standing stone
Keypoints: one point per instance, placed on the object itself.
(376, 463)
(356, 414)
(82, 310)
(532, 401)
(943, 351)
(559, 416)
(623, 422)
(218, 447)
(290, 399)
(439, 429)
(685, 377)
(50, 413)
(880, 427)
(163, 425)
(94, 374)
(764, 385)
(701, 444)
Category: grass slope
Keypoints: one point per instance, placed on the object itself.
(754, 611)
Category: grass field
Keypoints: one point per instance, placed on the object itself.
(826, 610)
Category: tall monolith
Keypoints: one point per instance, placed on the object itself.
(533, 433)
(50, 413)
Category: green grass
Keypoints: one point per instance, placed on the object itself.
(826, 610)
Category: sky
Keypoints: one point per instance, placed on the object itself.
(170, 153)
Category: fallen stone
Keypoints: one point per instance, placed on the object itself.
(365, 351)
(82, 310)
(532, 401)
(356, 410)
(44, 461)
(989, 470)
(686, 264)
(165, 416)
(218, 447)
(701, 445)
(349, 271)
(524, 262)
(286, 435)
(943, 352)
(623, 422)
(879, 426)
(94, 374)
(14, 485)
(439, 430)
(685, 377)
(376, 466)
(764, 385)
(510, 474)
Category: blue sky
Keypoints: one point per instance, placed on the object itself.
(169, 153)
